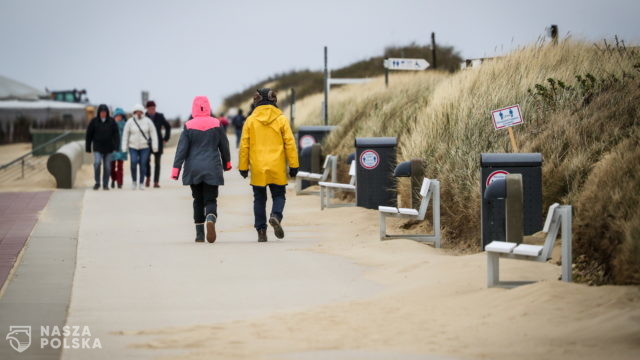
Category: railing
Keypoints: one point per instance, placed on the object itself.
(28, 162)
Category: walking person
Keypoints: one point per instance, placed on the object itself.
(139, 138)
(160, 122)
(118, 156)
(238, 123)
(103, 134)
(203, 148)
(224, 122)
(266, 146)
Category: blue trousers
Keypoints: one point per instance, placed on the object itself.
(102, 160)
(139, 158)
(260, 203)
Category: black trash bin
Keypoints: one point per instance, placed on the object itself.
(497, 166)
(309, 135)
(310, 161)
(375, 163)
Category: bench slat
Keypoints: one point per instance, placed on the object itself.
(528, 250)
(406, 211)
(500, 247)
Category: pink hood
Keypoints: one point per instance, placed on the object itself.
(201, 112)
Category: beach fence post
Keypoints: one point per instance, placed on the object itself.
(386, 74)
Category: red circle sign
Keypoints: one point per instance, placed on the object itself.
(498, 174)
(369, 159)
(307, 141)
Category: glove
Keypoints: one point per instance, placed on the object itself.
(244, 173)
(175, 173)
(227, 166)
(293, 172)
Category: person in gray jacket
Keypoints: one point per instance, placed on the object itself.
(203, 148)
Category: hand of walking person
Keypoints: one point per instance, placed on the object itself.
(227, 166)
(175, 173)
(293, 172)
(244, 173)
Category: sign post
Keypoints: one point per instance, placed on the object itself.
(507, 118)
(402, 64)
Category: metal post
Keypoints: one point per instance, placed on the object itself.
(386, 73)
(326, 89)
(433, 50)
(293, 107)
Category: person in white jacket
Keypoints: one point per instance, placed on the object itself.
(139, 137)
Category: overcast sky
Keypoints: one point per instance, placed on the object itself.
(180, 49)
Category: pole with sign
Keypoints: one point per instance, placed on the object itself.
(507, 118)
(403, 64)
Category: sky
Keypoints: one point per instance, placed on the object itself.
(180, 49)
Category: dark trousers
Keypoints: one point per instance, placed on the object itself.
(238, 137)
(205, 201)
(139, 157)
(156, 167)
(117, 171)
(260, 203)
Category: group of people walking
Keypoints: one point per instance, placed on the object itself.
(115, 139)
(264, 137)
(267, 145)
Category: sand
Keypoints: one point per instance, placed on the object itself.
(432, 305)
(37, 177)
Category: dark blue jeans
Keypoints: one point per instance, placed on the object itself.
(260, 203)
(102, 160)
(139, 158)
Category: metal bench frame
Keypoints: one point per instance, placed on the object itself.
(327, 189)
(430, 191)
(558, 217)
(329, 168)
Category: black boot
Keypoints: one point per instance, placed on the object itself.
(199, 232)
(211, 228)
(277, 228)
(262, 235)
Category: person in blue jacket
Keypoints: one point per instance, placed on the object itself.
(119, 157)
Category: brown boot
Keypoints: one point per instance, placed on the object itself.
(147, 182)
(156, 185)
(262, 235)
(211, 228)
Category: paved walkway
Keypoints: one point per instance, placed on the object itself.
(18, 215)
(139, 267)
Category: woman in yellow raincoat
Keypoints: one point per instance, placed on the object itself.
(266, 146)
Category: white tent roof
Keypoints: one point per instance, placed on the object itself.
(39, 104)
(11, 89)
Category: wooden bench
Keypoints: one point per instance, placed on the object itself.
(559, 216)
(329, 168)
(430, 191)
(328, 189)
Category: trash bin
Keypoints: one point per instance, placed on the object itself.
(309, 135)
(497, 166)
(310, 161)
(375, 163)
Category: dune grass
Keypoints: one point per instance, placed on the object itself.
(580, 104)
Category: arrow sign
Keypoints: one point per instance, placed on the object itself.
(406, 64)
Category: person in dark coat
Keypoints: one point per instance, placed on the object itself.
(160, 122)
(203, 148)
(104, 135)
(238, 123)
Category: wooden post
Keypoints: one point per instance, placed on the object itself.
(433, 50)
(292, 109)
(514, 145)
